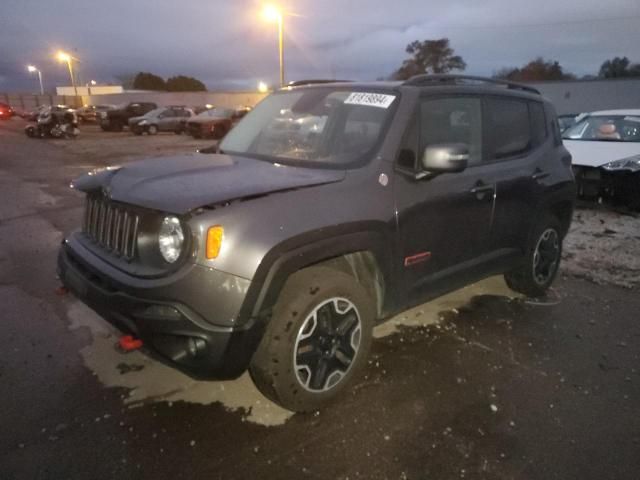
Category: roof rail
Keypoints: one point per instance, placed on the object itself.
(426, 79)
(299, 83)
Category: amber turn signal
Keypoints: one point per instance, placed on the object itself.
(214, 241)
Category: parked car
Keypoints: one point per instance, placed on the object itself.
(90, 113)
(215, 122)
(56, 122)
(278, 255)
(605, 147)
(6, 112)
(33, 116)
(163, 119)
(117, 118)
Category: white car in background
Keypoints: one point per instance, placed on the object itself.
(605, 147)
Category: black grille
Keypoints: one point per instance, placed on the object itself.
(112, 226)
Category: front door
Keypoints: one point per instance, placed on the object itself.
(444, 220)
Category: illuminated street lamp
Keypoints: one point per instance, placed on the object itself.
(32, 69)
(274, 14)
(65, 57)
(262, 87)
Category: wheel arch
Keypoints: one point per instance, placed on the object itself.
(363, 254)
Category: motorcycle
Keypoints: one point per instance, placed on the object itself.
(54, 122)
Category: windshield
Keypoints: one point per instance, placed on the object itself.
(320, 126)
(616, 128)
(217, 112)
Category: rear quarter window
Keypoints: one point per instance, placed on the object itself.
(508, 128)
(538, 121)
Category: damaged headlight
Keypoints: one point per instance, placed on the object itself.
(170, 239)
(630, 163)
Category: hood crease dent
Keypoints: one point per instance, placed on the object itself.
(180, 184)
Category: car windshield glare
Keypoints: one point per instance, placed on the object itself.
(324, 127)
(616, 128)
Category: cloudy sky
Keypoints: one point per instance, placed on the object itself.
(227, 44)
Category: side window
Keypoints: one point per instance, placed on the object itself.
(508, 128)
(539, 132)
(452, 120)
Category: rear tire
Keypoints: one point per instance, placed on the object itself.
(540, 266)
(317, 339)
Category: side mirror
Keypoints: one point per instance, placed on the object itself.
(445, 158)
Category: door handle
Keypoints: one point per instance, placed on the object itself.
(481, 188)
(539, 174)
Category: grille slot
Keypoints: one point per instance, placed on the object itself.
(111, 226)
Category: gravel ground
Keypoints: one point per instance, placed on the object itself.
(603, 246)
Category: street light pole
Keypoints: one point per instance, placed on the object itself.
(65, 57)
(274, 13)
(40, 79)
(32, 69)
(73, 80)
(281, 47)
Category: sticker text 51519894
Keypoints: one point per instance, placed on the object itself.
(370, 99)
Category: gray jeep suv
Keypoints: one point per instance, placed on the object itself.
(330, 207)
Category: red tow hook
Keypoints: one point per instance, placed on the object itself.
(61, 290)
(128, 343)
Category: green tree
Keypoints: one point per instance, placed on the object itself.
(535, 71)
(619, 67)
(181, 83)
(429, 56)
(148, 81)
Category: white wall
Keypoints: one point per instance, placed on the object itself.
(95, 90)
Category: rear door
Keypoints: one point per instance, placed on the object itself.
(516, 134)
(168, 119)
(445, 220)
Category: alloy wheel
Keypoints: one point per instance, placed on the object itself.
(327, 344)
(546, 256)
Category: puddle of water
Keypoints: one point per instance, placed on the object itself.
(430, 313)
(156, 382)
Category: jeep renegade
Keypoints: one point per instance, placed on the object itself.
(328, 208)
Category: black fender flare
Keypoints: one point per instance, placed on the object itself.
(309, 249)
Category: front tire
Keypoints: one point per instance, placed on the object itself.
(152, 129)
(539, 269)
(317, 340)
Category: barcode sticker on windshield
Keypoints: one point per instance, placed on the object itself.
(371, 99)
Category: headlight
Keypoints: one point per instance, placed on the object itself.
(142, 122)
(631, 163)
(170, 239)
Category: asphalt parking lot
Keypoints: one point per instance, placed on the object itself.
(480, 384)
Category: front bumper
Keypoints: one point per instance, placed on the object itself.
(173, 331)
(620, 186)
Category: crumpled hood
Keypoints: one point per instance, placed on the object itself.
(181, 184)
(593, 153)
